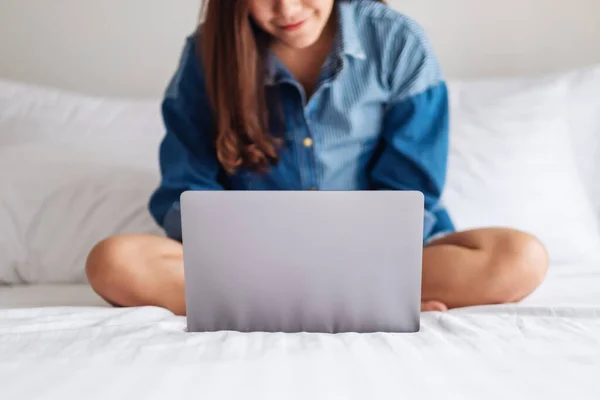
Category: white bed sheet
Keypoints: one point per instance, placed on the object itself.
(29, 296)
(546, 348)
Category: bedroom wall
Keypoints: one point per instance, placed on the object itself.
(477, 38)
(130, 47)
(109, 47)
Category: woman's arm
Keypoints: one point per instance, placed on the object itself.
(415, 135)
(415, 145)
(187, 154)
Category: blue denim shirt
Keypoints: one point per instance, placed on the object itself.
(377, 120)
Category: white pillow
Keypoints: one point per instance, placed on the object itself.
(76, 169)
(512, 164)
(73, 170)
(584, 119)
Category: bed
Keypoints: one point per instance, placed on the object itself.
(546, 348)
(78, 162)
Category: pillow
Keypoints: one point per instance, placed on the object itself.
(73, 171)
(512, 164)
(77, 169)
(584, 119)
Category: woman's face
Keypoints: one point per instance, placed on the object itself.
(294, 23)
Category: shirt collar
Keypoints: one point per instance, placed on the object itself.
(351, 44)
(347, 42)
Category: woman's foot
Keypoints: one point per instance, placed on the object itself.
(429, 306)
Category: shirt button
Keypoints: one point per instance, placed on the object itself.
(308, 142)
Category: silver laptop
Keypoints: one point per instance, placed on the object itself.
(289, 261)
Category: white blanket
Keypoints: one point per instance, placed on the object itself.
(546, 348)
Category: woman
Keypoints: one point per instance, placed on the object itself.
(312, 95)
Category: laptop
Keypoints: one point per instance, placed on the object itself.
(303, 261)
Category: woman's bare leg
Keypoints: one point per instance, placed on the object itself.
(487, 266)
(139, 270)
(484, 266)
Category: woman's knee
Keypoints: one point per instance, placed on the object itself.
(119, 259)
(107, 257)
(518, 263)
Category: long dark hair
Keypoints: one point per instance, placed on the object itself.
(232, 52)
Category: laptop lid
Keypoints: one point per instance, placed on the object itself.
(286, 261)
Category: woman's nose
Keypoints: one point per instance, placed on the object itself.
(288, 9)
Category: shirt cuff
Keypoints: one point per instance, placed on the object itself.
(172, 222)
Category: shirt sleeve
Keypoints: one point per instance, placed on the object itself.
(187, 154)
(415, 136)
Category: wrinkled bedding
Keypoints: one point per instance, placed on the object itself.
(548, 347)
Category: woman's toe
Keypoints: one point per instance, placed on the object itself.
(432, 305)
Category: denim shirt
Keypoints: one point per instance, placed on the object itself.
(377, 120)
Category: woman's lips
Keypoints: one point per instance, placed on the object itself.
(293, 27)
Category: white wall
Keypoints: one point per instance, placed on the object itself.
(112, 47)
(130, 47)
(477, 38)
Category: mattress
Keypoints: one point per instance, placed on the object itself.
(548, 347)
